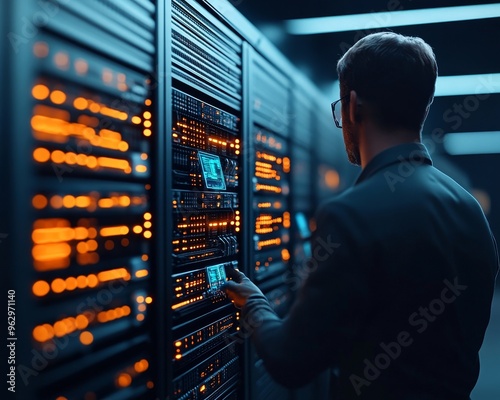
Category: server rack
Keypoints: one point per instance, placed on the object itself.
(207, 218)
(81, 173)
(268, 125)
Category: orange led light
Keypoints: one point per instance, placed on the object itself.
(142, 273)
(113, 274)
(147, 114)
(39, 201)
(80, 103)
(58, 285)
(124, 380)
(114, 231)
(147, 216)
(86, 338)
(40, 288)
(58, 97)
(147, 132)
(147, 102)
(41, 155)
(46, 252)
(40, 92)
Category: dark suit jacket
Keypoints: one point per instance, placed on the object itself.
(399, 290)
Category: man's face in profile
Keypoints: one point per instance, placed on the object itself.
(351, 137)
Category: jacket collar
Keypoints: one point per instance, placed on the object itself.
(415, 153)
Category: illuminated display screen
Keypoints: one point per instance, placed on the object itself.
(212, 171)
(216, 276)
(302, 225)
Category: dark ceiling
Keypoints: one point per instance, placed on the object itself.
(461, 47)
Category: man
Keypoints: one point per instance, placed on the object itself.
(402, 278)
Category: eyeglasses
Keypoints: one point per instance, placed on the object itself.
(337, 115)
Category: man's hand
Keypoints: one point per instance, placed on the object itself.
(240, 288)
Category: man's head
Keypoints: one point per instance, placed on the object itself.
(393, 77)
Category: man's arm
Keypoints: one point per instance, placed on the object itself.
(326, 315)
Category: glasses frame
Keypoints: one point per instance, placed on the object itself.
(337, 122)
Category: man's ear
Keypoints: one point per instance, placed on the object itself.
(354, 114)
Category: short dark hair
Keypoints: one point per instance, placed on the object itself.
(395, 74)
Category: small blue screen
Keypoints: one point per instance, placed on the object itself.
(212, 171)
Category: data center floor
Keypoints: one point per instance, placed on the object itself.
(488, 385)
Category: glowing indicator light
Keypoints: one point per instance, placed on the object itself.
(58, 97)
(41, 154)
(86, 338)
(40, 92)
(39, 201)
(142, 273)
(124, 380)
(80, 103)
(41, 288)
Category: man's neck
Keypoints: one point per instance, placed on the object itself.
(376, 142)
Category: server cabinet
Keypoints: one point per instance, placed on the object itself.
(206, 203)
(268, 125)
(79, 213)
